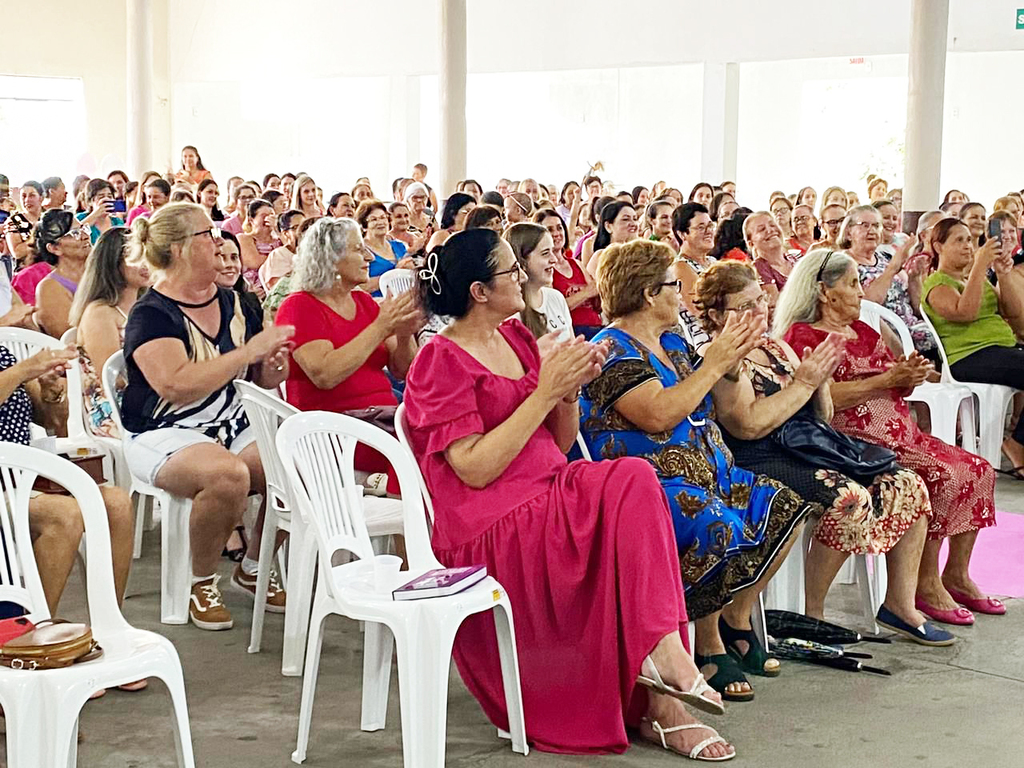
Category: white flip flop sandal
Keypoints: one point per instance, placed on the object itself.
(695, 752)
(651, 678)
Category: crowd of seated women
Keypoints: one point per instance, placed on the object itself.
(692, 342)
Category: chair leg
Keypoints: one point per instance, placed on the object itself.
(313, 648)
(968, 427)
(141, 504)
(378, 651)
(424, 660)
(505, 629)
(183, 731)
(26, 722)
(266, 562)
(175, 560)
(302, 566)
(872, 587)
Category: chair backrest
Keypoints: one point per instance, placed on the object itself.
(946, 374)
(77, 428)
(402, 430)
(19, 575)
(873, 314)
(70, 336)
(113, 369)
(24, 343)
(317, 450)
(396, 281)
(265, 411)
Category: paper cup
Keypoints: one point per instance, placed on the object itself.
(385, 572)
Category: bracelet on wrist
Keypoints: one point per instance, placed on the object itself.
(572, 398)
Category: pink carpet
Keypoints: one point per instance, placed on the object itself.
(998, 561)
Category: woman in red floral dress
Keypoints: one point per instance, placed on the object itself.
(823, 296)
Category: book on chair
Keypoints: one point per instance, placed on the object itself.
(440, 582)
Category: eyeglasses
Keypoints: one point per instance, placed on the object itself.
(678, 284)
(868, 225)
(377, 220)
(82, 233)
(760, 301)
(702, 229)
(213, 232)
(833, 222)
(514, 271)
(802, 219)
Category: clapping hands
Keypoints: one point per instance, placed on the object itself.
(565, 366)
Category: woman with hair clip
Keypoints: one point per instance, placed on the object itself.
(453, 218)
(489, 417)
(64, 244)
(618, 224)
(192, 169)
(545, 309)
(518, 207)
(108, 291)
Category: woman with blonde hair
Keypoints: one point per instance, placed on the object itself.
(185, 342)
(304, 197)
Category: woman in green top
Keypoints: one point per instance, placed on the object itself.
(977, 322)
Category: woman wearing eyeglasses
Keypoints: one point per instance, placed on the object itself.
(869, 389)
(879, 512)
(733, 528)
(64, 244)
(185, 342)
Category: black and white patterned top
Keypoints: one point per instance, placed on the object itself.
(16, 410)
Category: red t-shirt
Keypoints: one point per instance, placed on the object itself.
(587, 313)
(313, 321)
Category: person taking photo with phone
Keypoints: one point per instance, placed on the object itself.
(99, 195)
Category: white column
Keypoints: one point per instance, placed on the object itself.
(719, 122)
(140, 84)
(451, 82)
(929, 21)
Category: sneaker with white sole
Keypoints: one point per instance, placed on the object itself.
(206, 606)
(275, 594)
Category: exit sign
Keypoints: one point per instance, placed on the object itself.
(1020, 18)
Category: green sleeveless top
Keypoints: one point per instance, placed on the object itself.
(959, 340)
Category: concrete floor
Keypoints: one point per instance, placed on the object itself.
(942, 708)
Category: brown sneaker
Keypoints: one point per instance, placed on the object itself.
(206, 606)
(275, 595)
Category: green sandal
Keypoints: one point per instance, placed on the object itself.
(728, 672)
(755, 659)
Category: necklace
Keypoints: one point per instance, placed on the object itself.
(200, 305)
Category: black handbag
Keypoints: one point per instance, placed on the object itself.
(816, 442)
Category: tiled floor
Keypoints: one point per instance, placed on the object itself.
(942, 708)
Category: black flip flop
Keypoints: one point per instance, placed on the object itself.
(1017, 473)
(728, 672)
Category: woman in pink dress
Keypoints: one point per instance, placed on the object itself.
(585, 550)
(823, 296)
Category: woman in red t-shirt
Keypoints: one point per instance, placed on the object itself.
(570, 279)
(343, 338)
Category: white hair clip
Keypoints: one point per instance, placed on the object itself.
(429, 273)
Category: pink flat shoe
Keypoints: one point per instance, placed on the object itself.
(987, 605)
(959, 616)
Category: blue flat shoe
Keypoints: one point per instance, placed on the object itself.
(926, 634)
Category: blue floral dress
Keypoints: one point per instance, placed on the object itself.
(730, 524)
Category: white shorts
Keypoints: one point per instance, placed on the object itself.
(147, 452)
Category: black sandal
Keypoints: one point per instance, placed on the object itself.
(728, 672)
(1017, 473)
(755, 658)
(237, 555)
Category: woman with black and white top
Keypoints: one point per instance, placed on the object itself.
(546, 310)
(186, 340)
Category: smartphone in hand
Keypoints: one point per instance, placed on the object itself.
(995, 230)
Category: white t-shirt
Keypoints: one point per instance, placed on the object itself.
(556, 311)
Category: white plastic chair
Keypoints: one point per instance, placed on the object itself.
(23, 343)
(396, 281)
(994, 401)
(317, 451)
(175, 549)
(42, 706)
(945, 400)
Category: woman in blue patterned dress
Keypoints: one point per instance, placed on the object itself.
(733, 528)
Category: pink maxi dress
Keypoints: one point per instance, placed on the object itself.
(585, 551)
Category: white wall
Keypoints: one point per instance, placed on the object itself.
(344, 89)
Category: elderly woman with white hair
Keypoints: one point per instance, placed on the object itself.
(417, 198)
(870, 384)
(343, 338)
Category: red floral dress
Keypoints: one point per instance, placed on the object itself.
(960, 484)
